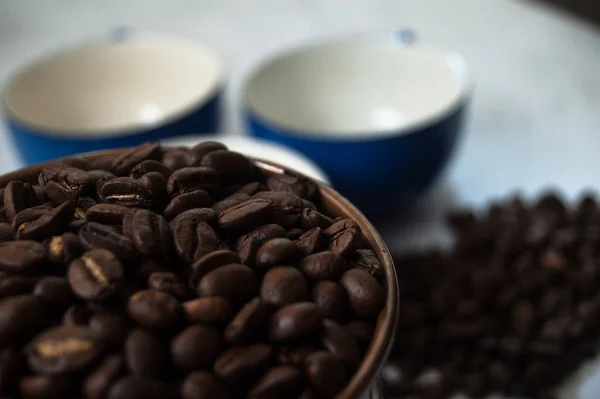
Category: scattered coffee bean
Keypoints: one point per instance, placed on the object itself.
(196, 347)
(187, 201)
(151, 234)
(294, 322)
(203, 385)
(110, 328)
(77, 315)
(20, 317)
(251, 322)
(47, 387)
(331, 299)
(243, 364)
(311, 219)
(365, 294)
(148, 166)
(18, 196)
(325, 372)
(278, 251)
(210, 262)
(96, 235)
(280, 381)
(139, 387)
(235, 282)
(210, 310)
(282, 286)
(145, 353)
(231, 166)
(123, 164)
(111, 214)
(23, 257)
(340, 343)
(170, 283)
(154, 309)
(96, 275)
(55, 292)
(63, 184)
(324, 265)
(187, 180)
(344, 236)
(127, 191)
(98, 382)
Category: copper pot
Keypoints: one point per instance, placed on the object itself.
(365, 382)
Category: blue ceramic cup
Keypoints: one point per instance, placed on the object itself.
(381, 117)
(113, 94)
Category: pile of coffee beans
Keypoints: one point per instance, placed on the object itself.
(179, 273)
(512, 308)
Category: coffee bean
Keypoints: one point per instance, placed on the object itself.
(96, 235)
(249, 323)
(111, 328)
(51, 223)
(187, 201)
(228, 202)
(325, 372)
(77, 315)
(344, 236)
(170, 283)
(63, 184)
(311, 219)
(288, 183)
(178, 158)
(280, 382)
(367, 260)
(12, 367)
(98, 382)
(112, 214)
(150, 165)
(6, 232)
(324, 265)
(154, 309)
(17, 197)
(282, 286)
(361, 331)
(203, 385)
(17, 285)
(295, 355)
(311, 241)
(294, 322)
(235, 282)
(54, 292)
(248, 245)
(151, 233)
(231, 166)
(245, 216)
(65, 248)
(96, 275)
(201, 149)
(127, 191)
(285, 203)
(278, 251)
(145, 353)
(196, 347)
(47, 387)
(365, 295)
(147, 267)
(243, 364)
(210, 310)
(139, 387)
(157, 184)
(99, 175)
(190, 179)
(28, 215)
(124, 163)
(331, 300)
(23, 257)
(210, 262)
(64, 349)
(193, 235)
(340, 343)
(249, 188)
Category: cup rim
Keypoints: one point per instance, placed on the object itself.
(383, 338)
(127, 129)
(461, 70)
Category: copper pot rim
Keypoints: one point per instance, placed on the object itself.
(336, 204)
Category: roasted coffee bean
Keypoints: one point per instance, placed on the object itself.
(193, 235)
(295, 355)
(47, 387)
(55, 292)
(52, 222)
(148, 166)
(170, 283)
(127, 191)
(190, 179)
(294, 322)
(23, 257)
(344, 236)
(331, 299)
(361, 331)
(365, 294)
(157, 184)
(196, 347)
(247, 245)
(288, 183)
(249, 188)
(151, 233)
(278, 251)
(203, 385)
(282, 286)
(324, 265)
(285, 203)
(210, 310)
(178, 158)
(77, 162)
(111, 214)
(124, 163)
(187, 201)
(294, 233)
(64, 349)
(229, 202)
(311, 241)
(12, 367)
(63, 184)
(201, 149)
(65, 248)
(279, 382)
(243, 364)
(17, 197)
(96, 175)
(139, 387)
(96, 275)
(311, 219)
(20, 317)
(154, 309)
(325, 372)
(17, 285)
(97, 383)
(245, 216)
(29, 215)
(111, 328)
(231, 166)
(210, 262)
(6, 232)
(249, 323)
(367, 260)
(77, 315)
(96, 235)
(235, 282)
(145, 353)
(340, 343)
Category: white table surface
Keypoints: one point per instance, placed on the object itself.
(534, 121)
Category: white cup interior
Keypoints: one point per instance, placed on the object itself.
(110, 87)
(346, 90)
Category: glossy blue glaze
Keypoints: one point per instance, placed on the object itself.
(35, 145)
(380, 172)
